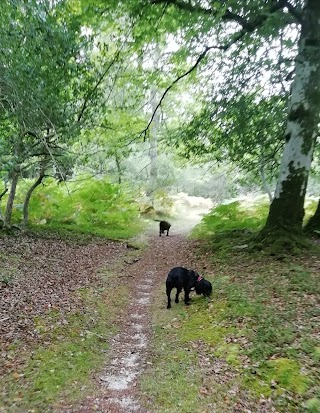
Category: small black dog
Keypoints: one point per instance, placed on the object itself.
(180, 277)
(164, 226)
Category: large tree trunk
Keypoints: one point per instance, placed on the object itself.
(314, 221)
(287, 208)
(12, 194)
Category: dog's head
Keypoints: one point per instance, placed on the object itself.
(203, 287)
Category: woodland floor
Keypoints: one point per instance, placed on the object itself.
(43, 275)
(46, 276)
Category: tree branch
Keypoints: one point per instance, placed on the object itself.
(3, 193)
(294, 11)
(200, 58)
(229, 15)
(247, 27)
(99, 81)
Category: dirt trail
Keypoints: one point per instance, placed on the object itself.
(119, 379)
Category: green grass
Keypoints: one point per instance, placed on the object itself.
(172, 382)
(86, 232)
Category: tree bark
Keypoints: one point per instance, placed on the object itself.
(287, 208)
(12, 193)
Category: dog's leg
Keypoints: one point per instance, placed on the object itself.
(169, 298)
(167, 232)
(186, 296)
(177, 295)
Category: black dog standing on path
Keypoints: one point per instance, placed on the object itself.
(182, 278)
(164, 226)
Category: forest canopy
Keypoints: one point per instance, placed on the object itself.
(104, 87)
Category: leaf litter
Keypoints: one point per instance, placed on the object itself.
(46, 275)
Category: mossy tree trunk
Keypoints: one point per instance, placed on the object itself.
(287, 208)
(314, 221)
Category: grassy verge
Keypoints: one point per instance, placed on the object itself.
(72, 347)
(253, 347)
(84, 234)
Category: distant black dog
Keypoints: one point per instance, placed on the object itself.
(164, 226)
(182, 278)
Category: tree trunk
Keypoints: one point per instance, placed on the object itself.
(1, 196)
(264, 182)
(118, 168)
(314, 221)
(287, 208)
(28, 196)
(12, 194)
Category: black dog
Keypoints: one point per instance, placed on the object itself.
(180, 277)
(164, 226)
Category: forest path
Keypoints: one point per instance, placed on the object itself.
(119, 379)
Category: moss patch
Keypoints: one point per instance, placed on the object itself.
(277, 376)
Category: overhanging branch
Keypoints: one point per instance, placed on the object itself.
(228, 15)
(247, 27)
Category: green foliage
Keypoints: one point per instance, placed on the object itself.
(235, 216)
(237, 225)
(88, 205)
(245, 129)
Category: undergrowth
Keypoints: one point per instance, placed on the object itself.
(87, 206)
(239, 225)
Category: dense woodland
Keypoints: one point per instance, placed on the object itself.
(135, 92)
(115, 114)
